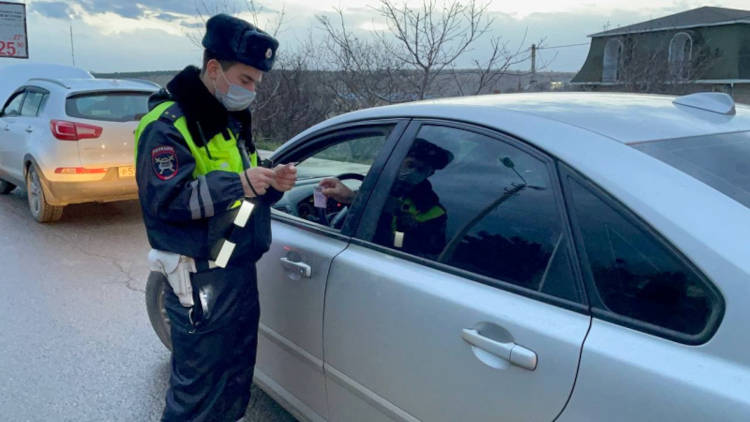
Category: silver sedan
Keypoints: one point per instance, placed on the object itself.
(512, 257)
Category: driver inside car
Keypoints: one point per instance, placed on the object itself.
(413, 219)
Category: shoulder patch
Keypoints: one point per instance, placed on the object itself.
(164, 162)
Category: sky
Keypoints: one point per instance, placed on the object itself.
(143, 35)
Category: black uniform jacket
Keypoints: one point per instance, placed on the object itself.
(189, 215)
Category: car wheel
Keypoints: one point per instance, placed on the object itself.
(157, 311)
(6, 187)
(42, 211)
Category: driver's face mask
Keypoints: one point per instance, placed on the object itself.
(236, 98)
(413, 173)
(408, 178)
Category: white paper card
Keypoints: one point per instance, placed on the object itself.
(319, 200)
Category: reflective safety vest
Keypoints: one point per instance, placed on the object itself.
(408, 207)
(219, 153)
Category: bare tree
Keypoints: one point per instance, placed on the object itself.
(299, 100)
(430, 39)
(646, 65)
(419, 55)
(366, 74)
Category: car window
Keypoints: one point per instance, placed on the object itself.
(635, 275)
(14, 106)
(718, 160)
(32, 103)
(346, 155)
(108, 106)
(479, 204)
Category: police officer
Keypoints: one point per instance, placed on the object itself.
(205, 203)
(413, 220)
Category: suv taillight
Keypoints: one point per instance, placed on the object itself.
(71, 131)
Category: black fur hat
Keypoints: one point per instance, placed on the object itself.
(430, 153)
(236, 40)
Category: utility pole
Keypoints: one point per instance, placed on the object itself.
(532, 82)
(72, 49)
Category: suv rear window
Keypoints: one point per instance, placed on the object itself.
(721, 161)
(108, 106)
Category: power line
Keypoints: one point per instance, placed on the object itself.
(562, 46)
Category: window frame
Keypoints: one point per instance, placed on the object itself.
(42, 104)
(679, 72)
(617, 57)
(569, 175)
(365, 232)
(328, 136)
(19, 92)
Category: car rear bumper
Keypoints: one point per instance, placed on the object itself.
(107, 189)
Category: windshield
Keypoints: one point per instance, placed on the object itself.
(108, 106)
(720, 161)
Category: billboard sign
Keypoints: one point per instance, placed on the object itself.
(13, 38)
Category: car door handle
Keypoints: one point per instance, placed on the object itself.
(512, 352)
(297, 266)
(29, 129)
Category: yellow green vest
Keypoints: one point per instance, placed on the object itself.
(218, 154)
(408, 206)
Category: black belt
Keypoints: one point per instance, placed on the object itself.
(202, 265)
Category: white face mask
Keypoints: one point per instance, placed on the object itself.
(237, 98)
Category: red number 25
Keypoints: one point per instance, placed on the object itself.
(7, 48)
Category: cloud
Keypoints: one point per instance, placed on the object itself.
(52, 9)
(167, 17)
(193, 25)
(125, 9)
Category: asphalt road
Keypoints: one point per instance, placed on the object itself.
(75, 340)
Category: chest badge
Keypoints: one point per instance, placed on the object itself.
(164, 162)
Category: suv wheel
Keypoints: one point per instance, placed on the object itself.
(6, 187)
(42, 211)
(156, 288)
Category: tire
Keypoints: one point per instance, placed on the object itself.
(157, 312)
(40, 209)
(6, 187)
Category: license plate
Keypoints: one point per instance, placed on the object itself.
(127, 171)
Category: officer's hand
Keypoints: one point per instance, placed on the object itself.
(285, 176)
(333, 188)
(260, 178)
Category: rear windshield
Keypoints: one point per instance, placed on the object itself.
(108, 106)
(720, 161)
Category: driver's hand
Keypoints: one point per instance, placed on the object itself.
(285, 176)
(333, 188)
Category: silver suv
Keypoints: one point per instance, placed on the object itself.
(71, 141)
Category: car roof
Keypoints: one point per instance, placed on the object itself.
(86, 85)
(627, 118)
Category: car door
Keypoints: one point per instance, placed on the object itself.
(30, 131)
(293, 273)
(655, 350)
(458, 298)
(11, 136)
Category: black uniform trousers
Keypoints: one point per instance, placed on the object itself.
(214, 346)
